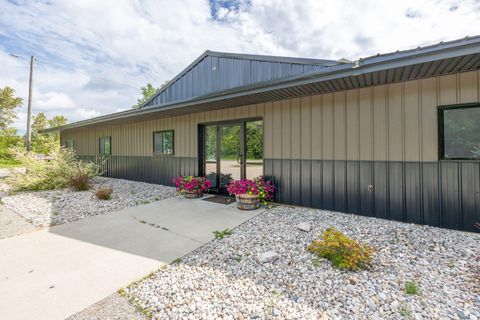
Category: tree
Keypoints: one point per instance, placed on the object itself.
(9, 137)
(148, 91)
(8, 106)
(46, 143)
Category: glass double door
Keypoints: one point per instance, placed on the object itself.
(232, 151)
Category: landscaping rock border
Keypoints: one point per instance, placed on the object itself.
(45, 208)
(223, 278)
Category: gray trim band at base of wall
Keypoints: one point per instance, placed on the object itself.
(442, 194)
(159, 170)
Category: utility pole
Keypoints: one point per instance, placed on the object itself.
(28, 141)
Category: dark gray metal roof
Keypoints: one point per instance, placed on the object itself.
(444, 58)
(219, 71)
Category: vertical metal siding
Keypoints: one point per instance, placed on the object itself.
(325, 150)
(213, 74)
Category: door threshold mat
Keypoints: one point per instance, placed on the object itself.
(220, 199)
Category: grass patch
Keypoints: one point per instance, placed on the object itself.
(222, 234)
(411, 287)
(177, 260)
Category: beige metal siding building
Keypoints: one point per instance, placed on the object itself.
(361, 138)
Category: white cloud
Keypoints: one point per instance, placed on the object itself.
(95, 55)
(54, 100)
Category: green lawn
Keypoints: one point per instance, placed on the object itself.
(4, 163)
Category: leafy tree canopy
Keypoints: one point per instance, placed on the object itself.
(46, 143)
(8, 105)
(147, 91)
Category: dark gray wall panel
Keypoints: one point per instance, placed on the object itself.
(413, 194)
(404, 191)
(353, 185)
(306, 183)
(285, 180)
(367, 207)
(380, 191)
(148, 169)
(278, 177)
(396, 196)
(470, 190)
(268, 169)
(340, 172)
(431, 194)
(450, 196)
(296, 180)
(316, 180)
(328, 185)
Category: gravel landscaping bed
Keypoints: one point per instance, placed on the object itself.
(113, 307)
(224, 279)
(43, 208)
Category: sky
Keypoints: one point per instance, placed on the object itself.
(93, 56)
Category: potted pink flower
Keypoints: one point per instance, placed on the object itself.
(251, 193)
(191, 187)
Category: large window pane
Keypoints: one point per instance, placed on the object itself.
(461, 132)
(69, 143)
(229, 154)
(163, 143)
(254, 145)
(105, 146)
(211, 154)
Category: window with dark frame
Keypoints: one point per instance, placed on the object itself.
(459, 132)
(69, 144)
(163, 143)
(105, 146)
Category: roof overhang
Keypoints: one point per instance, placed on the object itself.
(445, 58)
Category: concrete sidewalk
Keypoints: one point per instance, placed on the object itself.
(54, 273)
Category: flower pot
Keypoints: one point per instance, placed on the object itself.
(192, 195)
(247, 201)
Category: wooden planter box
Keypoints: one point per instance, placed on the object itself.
(192, 195)
(247, 201)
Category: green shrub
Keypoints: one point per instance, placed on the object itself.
(411, 287)
(341, 251)
(104, 193)
(51, 174)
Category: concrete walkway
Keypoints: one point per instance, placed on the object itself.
(54, 273)
(11, 224)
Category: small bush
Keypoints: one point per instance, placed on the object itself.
(104, 193)
(80, 182)
(341, 251)
(55, 173)
(411, 287)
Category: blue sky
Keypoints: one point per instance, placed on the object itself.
(93, 56)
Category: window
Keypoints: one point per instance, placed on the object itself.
(459, 132)
(163, 143)
(105, 146)
(69, 143)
